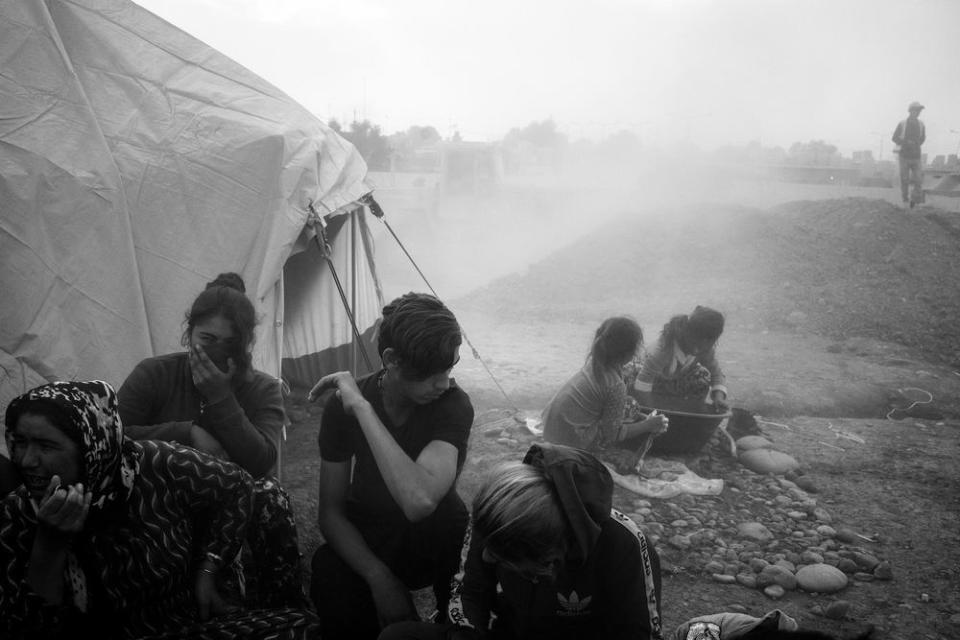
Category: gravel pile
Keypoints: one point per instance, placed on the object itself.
(839, 268)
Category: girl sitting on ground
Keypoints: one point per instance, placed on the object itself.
(684, 362)
(592, 410)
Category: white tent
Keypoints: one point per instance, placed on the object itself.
(137, 163)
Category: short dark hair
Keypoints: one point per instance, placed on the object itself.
(423, 333)
(226, 296)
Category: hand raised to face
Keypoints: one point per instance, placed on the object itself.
(210, 380)
(64, 509)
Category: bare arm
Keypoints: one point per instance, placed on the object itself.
(390, 595)
(418, 485)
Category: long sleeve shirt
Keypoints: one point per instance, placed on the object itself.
(669, 362)
(140, 560)
(613, 594)
(158, 401)
(587, 411)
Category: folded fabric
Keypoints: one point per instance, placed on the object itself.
(666, 479)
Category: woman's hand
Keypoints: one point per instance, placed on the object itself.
(201, 439)
(64, 510)
(214, 384)
(720, 401)
(347, 390)
(656, 423)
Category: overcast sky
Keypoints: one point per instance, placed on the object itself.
(707, 72)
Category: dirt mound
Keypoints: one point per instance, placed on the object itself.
(837, 268)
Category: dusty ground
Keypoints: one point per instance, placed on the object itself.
(841, 313)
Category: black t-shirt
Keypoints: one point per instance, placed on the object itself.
(369, 503)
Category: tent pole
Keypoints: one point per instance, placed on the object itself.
(318, 226)
(353, 288)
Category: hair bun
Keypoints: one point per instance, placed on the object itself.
(229, 279)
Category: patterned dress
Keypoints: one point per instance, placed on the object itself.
(158, 509)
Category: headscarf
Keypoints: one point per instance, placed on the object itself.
(111, 462)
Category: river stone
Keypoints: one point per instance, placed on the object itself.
(847, 565)
(821, 578)
(826, 531)
(837, 609)
(764, 461)
(757, 564)
(747, 580)
(806, 483)
(866, 561)
(724, 578)
(786, 564)
(754, 531)
(749, 443)
(774, 591)
(776, 574)
(680, 542)
(714, 567)
(883, 571)
(811, 557)
(844, 534)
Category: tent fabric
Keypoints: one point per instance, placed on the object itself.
(137, 163)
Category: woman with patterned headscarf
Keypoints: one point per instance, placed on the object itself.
(118, 538)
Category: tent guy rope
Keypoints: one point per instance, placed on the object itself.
(374, 207)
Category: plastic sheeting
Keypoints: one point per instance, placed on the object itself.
(137, 163)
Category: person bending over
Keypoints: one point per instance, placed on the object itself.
(112, 538)
(592, 410)
(684, 361)
(548, 558)
(212, 399)
(395, 523)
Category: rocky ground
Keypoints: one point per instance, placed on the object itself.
(840, 342)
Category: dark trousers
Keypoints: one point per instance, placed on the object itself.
(423, 554)
(417, 631)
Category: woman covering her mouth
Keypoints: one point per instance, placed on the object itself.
(211, 398)
(116, 538)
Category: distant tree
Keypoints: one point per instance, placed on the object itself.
(815, 152)
(416, 149)
(537, 144)
(366, 137)
(538, 134)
